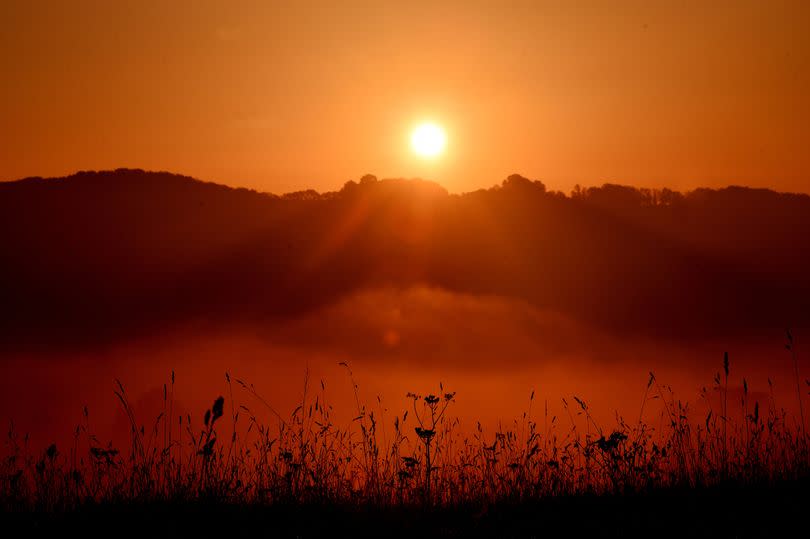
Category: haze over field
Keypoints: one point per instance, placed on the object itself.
(497, 292)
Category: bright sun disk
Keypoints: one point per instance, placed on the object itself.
(428, 140)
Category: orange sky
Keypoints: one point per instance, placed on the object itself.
(280, 96)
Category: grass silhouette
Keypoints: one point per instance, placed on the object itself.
(425, 465)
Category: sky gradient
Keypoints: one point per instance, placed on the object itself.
(282, 96)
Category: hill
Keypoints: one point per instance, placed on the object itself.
(99, 256)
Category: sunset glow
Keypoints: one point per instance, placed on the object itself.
(405, 268)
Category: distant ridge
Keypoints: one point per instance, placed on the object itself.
(98, 256)
(90, 176)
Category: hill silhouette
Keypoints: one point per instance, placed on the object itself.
(100, 256)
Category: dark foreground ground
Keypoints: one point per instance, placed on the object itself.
(776, 511)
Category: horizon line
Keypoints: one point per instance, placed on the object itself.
(357, 180)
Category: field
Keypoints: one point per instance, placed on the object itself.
(740, 470)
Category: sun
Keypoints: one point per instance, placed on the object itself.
(428, 140)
